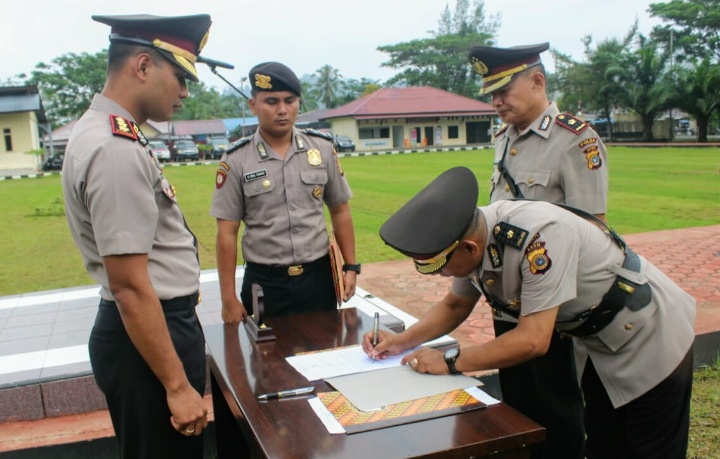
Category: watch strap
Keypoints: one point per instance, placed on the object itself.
(348, 267)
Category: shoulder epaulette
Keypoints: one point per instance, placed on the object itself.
(122, 127)
(502, 129)
(571, 123)
(237, 144)
(509, 235)
(317, 133)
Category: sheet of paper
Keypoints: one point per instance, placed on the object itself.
(374, 389)
(341, 361)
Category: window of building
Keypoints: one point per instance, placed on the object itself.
(453, 132)
(8, 139)
(374, 133)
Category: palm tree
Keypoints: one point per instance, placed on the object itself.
(697, 91)
(328, 85)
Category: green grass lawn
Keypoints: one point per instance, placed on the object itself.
(650, 189)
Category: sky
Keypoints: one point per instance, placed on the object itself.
(305, 34)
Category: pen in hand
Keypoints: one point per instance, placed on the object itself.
(376, 327)
(287, 393)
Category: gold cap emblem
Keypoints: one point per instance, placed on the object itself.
(263, 81)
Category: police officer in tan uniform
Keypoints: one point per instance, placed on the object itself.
(146, 348)
(277, 182)
(541, 154)
(553, 268)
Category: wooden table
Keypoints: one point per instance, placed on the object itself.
(242, 369)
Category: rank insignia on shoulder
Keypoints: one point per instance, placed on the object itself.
(237, 144)
(122, 127)
(571, 123)
(507, 234)
(538, 258)
(317, 133)
(494, 253)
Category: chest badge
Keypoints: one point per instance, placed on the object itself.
(314, 158)
(317, 192)
(266, 184)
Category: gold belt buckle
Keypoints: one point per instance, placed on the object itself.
(295, 270)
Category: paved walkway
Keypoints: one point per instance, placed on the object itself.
(691, 257)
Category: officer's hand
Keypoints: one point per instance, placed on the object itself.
(189, 415)
(426, 360)
(233, 311)
(350, 281)
(389, 343)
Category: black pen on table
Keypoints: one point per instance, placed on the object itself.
(287, 393)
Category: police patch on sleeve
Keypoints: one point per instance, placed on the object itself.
(538, 258)
(592, 155)
(221, 176)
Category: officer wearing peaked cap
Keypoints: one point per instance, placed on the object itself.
(541, 153)
(277, 183)
(553, 268)
(147, 348)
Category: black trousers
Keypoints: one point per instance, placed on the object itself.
(136, 399)
(546, 390)
(311, 291)
(655, 425)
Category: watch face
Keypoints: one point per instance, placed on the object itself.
(451, 354)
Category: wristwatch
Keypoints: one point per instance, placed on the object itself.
(355, 268)
(451, 355)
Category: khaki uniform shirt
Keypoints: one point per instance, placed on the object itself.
(118, 202)
(569, 263)
(550, 162)
(281, 201)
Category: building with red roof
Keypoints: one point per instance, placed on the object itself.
(392, 118)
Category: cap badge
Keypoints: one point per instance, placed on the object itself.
(314, 158)
(263, 81)
(479, 66)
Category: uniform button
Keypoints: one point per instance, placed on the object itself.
(628, 326)
(297, 254)
(296, 229)
(513, 151)
(292, 207)
(490, 282)
(507, 187)
(531, 180)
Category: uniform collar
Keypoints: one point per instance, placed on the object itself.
(542, 125)
(265, 152)
(106, 105)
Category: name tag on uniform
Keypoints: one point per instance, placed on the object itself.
(250, 176)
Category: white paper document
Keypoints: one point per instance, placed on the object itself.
(341, 361)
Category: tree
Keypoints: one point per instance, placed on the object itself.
(328, 85)
(695, 26)
(594, 85)
(68, 83)
(441, 61)
(206, 103)
(355, 89)
(697, 91)
(646, 89)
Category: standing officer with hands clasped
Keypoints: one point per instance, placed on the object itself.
(553, 268)
(276, 182)
(147, 349)
(541, 154)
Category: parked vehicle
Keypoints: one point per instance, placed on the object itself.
(219, 144)
(54, 162)
(344, 143)
(160, 150)
(186, 150)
